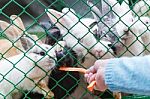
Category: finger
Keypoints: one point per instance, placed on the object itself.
(85, 76)
(92, 78)
(89, 76)
(95, 67)
(91, 70)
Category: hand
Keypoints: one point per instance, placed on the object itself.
(97, 72)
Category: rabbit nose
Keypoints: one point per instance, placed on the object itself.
(98, 51)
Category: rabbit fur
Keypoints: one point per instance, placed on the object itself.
(129, 39)
(141, 8)
(138, 31)
(13, 31)
(141, 26)
(79, 37)
(26, 65)
(105, 25)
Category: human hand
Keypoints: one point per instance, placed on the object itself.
(97, 72)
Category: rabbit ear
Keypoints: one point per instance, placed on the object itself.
(20, 26)
(18, 23)
(62, 21)
(27, 43)
(71, 14)
(10, 31)
(95, 11)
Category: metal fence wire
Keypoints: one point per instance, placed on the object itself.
(39, 36)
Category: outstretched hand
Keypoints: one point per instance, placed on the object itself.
(97, 73)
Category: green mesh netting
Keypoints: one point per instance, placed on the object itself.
(33, 12)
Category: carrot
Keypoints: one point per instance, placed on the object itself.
(90, 87)
(82, 70)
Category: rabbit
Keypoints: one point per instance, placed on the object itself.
(141, 8)
(67, 80)
(105, 25)
(128, 39)
(137, 33)
(24, 73)
(14, 34)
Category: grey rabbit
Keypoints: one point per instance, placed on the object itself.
(105, 18)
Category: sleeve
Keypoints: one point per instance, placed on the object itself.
(129, 75)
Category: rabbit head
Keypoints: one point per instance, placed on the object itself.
(44, 55)
(105, 19)
(10, 30)
(123, 20)
(77, 34)
(123, 15)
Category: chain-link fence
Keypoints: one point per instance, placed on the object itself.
(39, 36)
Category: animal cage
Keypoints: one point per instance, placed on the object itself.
(39, 36)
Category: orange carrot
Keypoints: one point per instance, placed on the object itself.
(90, 87)
(82, 70)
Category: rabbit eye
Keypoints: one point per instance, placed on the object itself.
(42, 53)
(147, 22)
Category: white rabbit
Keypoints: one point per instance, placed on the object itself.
(129, 40)
(25, 71)
(79, 34)
(141, 8)
(135, 33)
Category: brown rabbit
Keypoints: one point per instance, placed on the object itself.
(13, 45)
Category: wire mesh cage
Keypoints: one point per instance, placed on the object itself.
(39, 36)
